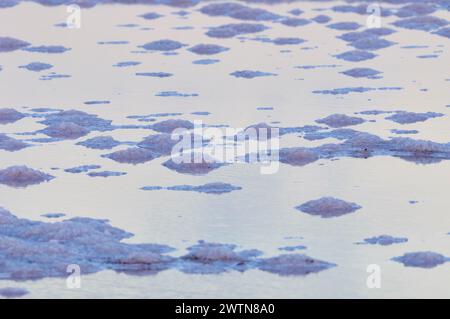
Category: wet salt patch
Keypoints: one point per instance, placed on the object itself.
(297, 156)
(340, 120)
(369, 33)
(356, 56)
(294, 22)
(11, 144)
(395, 131)
(36, 66)
(415, 9)
(133, 156)
(207, 49)
(53, 215)
(155, 74)
(82, 169)
(363, 73)
(321, 18)
(424, 23)
(112, 42)
(234, 29)
(428, 56)
(292, 248)
(51, 49)
(54, 75)
(202, 166)
(287, 41)
(344, 26)
(10, 292)
(168, 126)
(328, 207)
(8, 44)
(100, 143)
(151, 16)
(106, 174)
(210, 188)
(411, 117)
(126, 64)
(371, 43)
(8, 116)
(22, 176)
(97, 102)
(424, 259)
(294, 265)
(65, 130)
(163, 45)
(248, 74)
(384, 240)
(445, 32)
(175, 94)
(320, 66)
(238, 11)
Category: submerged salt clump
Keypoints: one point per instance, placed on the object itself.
(368, 33)
(423, 259)
(163, 45)
(411, 117)
(424, 23)
(175, 94)
(81, 169)
(321, 18)
(168, 126)
(207, 49)
(84, 120)
(124, 64)
(384, 240)
(200, 166)
(100, 143)
(344, 26)
(294, 22)
(292, 248)
(11, 144)
(340, 120)
(234, 29)
(415, 9)
(134, 156)
(8, 44)
(150, 16)
(293, 265)
(10, 292)
(36, 66)
(10, 116)
(155, 74)
(371, 43)
(65, 130)
(356, 56)
(106, 174)
(210, 188)
(52, 49)
(363, 73)
(344, 91)
(161, 144)
(328, 207)
(287, 41)
(22, 176)
(248, 74)
(205, 61)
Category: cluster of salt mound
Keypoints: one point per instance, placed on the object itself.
(10, 116)
(328, 207)
(22, 176)
(422, 259)
(35, 250)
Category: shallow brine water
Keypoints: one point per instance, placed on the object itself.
(355, 205)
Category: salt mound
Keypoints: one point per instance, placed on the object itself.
(362, 73)
(22, 176)
(234, 29)
(132, 156)
(415, 9)
(424, 23)
(426, 259)
(248, 74)
(411, 117)
(51, 49)
(356, 56)
(238, 11)
(168, 126)
(163, 45)
(82, 169)
(201, 168)
(8, 44)
(371, 43)
(210, 188)
(106, 174)
(207, 49)
(10, 116)
(161, 144)
(100, 143)
(10, 292)
(36, 66)
(297, 156)
(344, 26)
(65, 130)
(10, 144)
(328, 207)
(88, 121)
(340, 120)
(295, 22)
(293, 265)
(385, 240)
